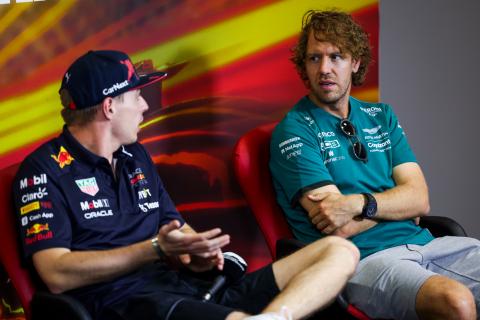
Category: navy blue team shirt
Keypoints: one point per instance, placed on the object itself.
(68, 197)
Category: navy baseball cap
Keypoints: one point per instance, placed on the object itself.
(100, 74)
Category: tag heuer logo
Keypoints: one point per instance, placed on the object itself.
(88, 186)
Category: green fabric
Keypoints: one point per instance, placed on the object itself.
(308, 150)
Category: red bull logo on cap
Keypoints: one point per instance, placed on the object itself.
(130, 68)
(63, 158)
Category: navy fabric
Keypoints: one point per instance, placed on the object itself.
(174, 295)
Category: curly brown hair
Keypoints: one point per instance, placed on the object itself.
(340, 29)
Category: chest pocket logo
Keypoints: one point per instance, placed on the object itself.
(88, 186)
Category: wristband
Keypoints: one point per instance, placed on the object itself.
(157, 248)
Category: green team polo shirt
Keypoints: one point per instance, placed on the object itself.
(308, 150)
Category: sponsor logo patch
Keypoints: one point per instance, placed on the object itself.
(117, 86)
(329, 144)
(63, 158)
(98, 214)
(94, 204)
(137, 178)
(326, 134)
(39, 237)
(37, 228)
(145, 207)
(39, 194)
(291, 147)
(371, 111)
(380, 146)
(34, 217)
(88, 186)
(143, 194)
(35, 206)
(30, 207)
(33, 181)
(372, 130)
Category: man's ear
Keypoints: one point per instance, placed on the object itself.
(355, 65)
(108, 107)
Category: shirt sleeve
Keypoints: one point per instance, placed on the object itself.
(296, 160)
(40, 209)
(401, 150)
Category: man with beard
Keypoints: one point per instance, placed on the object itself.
(343, 167)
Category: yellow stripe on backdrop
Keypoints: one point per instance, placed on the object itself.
(12, 15)
(215, 46)
(40, 26)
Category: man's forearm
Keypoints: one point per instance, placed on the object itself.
(402, 202)
(62, 269)
(329, 209)
(354, 227)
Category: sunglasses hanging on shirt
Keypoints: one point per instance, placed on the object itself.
(359, 150)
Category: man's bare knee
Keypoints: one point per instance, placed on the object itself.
(343, 247)
(461, 303)
(344, 252)
(443, 298)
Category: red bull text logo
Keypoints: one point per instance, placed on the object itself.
(63, 158)
(39, 237)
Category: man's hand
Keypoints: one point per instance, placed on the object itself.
(333, 210)
(207, 244)
(200, 264)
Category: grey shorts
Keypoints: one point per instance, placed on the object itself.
(386, 283)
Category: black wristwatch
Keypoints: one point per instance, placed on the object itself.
(370, 208)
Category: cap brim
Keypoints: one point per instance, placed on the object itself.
(148, 79)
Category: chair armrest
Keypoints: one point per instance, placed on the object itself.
(284, 247)
(46, 305)
(442, 226)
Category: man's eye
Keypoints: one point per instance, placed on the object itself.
(336, 57)
(313, 58)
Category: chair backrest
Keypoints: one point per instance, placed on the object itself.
(251, 157)
(9, 238)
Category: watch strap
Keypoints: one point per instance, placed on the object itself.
(157, 248)
(370, 208)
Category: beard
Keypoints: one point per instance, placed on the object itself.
(330, 98)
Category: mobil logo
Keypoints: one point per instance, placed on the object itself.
(33, 181)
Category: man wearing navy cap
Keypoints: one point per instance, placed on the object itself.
(97, 223)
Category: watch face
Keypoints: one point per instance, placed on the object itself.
(370, 209)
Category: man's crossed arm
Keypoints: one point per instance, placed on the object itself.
(334, 213)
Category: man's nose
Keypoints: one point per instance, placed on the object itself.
(325, 66)
(144, 104)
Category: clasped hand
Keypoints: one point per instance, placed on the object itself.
(330, 211)
(198, 251)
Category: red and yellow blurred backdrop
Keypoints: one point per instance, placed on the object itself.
(229, 71)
